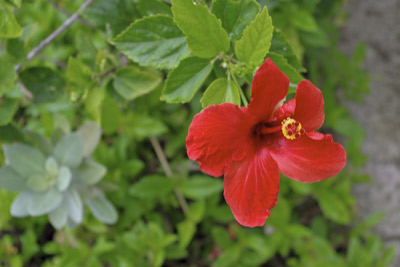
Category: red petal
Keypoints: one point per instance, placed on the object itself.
(269, 86)
(308, 159)
(309, 106)
(218, 135)
(251, 188)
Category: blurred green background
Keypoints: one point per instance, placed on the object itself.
(96, 112)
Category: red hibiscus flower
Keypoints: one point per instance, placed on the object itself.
(252, 145)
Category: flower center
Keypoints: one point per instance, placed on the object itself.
(292, 129)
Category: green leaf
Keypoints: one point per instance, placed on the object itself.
(90, 133)
(184, 81)
(153, 41)
(221, 91)
(51, 166)
(10, 180)
(102, 209)
(90, 172)
(186, 231)
(221, 237)
(333, 207)
(200, 187)
(39, 182)
(205, 35)
(131, 82)
(24, 160)
(152, 186)
(235, 15)
(45, 84)
(19, 207)
(7, 74)
(303, 20)
(94, 101)
(9, 26)
(112, 15)
(69, 150)
(64, 178)
(153, 7)
(256, 40)
(74, 205)
(280, 45)
(110, 115)
(142, 126)
(8, 107)
(79, 76)
(58, 217)
(293, 75)
(196, 211)
(44, 202)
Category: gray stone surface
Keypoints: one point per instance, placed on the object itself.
(377, 24)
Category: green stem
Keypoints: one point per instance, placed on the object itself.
(242, 96)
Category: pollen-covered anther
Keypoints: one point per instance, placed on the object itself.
(292, 129)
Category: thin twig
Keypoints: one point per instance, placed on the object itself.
(167, 169)
(56, 33)
(67, 14)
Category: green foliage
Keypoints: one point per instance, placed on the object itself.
(221, 91)
(205, 36)
(162, 46)
(254, 45)
(112, 66)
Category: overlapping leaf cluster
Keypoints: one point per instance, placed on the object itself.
(113, 66)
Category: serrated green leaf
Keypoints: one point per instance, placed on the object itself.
(153, 41)
(8, 107)
(235, 15)
(200, 187)
(44, 202)
(10, 180)
(44, 83)
(286, 68)
(131, 82)
(69, 150)
(112, 15)
(152, 186)
(280, 45)
(184, 81)
(90, 172)
(221, 91)
(24, 160)
(7, 75)
(256, 40)
(205, 36)
(153, 7)
(102, 209)
(9, 26)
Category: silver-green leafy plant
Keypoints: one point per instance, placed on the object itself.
(57, 177)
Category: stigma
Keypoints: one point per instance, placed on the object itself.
(292, 129)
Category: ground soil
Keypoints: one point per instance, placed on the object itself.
(377, 24)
